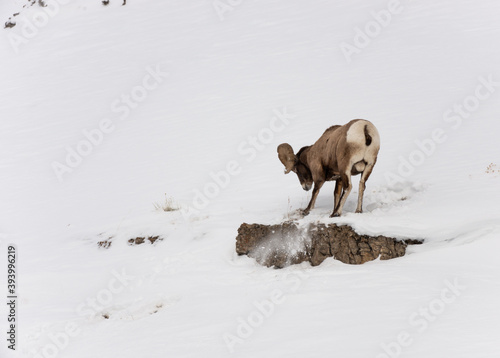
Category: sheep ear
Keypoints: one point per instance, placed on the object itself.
(286, 156)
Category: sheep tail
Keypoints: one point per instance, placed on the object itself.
(368, 137)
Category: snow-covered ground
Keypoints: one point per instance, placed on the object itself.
(107, 110)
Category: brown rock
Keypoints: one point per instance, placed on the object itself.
(286, 244)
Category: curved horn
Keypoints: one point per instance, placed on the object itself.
(286, 156)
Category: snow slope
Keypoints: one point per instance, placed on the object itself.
(183, 92)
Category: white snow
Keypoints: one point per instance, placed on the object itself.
(210, 96)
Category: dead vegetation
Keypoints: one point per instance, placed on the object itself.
(492, 169)
(169, 204)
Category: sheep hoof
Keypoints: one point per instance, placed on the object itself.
(305, 212)
(359, 211)
(335, 215)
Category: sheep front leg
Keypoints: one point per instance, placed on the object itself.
(317, 187)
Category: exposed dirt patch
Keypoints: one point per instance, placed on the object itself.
(286, 244)
(106, 244)
(42, 3)
(142, 240)
(11, 23)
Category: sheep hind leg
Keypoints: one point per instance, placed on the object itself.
(337, 192)
(347, 187)
(362, 185)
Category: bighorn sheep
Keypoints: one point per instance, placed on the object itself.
(340, 152)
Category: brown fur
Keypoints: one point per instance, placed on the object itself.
(336, 155)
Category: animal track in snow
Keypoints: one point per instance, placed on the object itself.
(135, 311)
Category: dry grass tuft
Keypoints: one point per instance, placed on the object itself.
(168, 205)
(492, 169)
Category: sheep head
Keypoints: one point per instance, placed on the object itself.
(287, 157)
(296, 163)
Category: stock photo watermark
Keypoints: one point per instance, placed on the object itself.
(247, 149)
(122, 108)
(454, 116)
(92, 307)
(262, 311)
(12, 297)
(364, 36)
(26, 28)
(222, 7)
(422, 318)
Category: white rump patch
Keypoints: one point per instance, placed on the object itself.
(356, 133)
